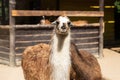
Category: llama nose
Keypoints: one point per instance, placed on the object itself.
(63, 27)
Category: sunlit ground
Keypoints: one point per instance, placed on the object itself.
(110, 67)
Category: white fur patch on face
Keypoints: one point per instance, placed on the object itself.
(62, 25)
(63, 19)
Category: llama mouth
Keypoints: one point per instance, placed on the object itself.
(62, 32)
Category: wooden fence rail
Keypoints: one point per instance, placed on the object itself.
(17, 13)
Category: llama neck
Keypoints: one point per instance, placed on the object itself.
(60, 58)
(61, 43)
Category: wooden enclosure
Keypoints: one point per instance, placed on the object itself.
(15, 38)
(85, 37)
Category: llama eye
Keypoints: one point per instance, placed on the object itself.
(57, 22)
(69, 24)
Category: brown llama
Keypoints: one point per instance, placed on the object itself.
(55, 61)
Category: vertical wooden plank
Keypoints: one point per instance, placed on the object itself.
(101, 4)
(3, 12)
(12, 34)
(57, 4)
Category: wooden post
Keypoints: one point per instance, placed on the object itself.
(12, 33)
(57, 4)
(101, 4)
(3, 12)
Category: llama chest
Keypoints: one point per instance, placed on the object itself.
(61, 66)
(60, 59)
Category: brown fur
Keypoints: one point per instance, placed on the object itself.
(47, 22)
(35, 64)
(85, 65)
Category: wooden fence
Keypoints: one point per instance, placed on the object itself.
(85, 37)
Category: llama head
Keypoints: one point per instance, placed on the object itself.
(63, 25)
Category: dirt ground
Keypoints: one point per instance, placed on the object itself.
(110, 66)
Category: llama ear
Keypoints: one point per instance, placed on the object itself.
(54, 23)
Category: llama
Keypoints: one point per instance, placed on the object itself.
(60, 60)
(55, 61)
